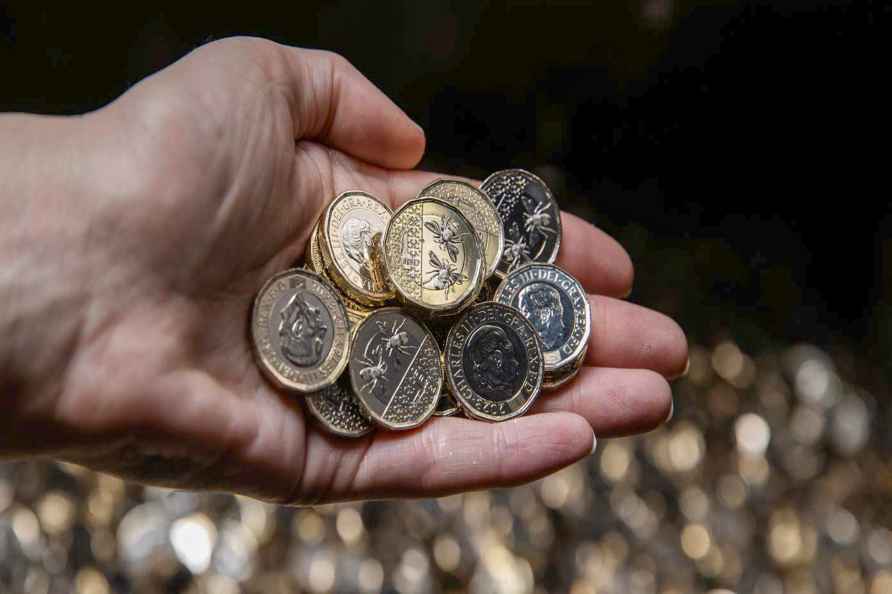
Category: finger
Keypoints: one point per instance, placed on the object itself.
(446, 455)
(330, 101)
(615, 402)
(634, 337)
(597, 260)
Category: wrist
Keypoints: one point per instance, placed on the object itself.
(45, 271)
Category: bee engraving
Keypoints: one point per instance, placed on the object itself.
(516, 253)
(393, 339)
(444, 276)
(373, 372)
(447, 235)
(538, 220)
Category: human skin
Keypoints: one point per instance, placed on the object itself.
(134, 238)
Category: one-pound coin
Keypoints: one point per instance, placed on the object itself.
(395, 369)
(355, 311)
(433, 257)
(530, 216)
(479, 210)
(494, 363)
(300, 331)
(558, 308)
(338, 410)
(346, 232)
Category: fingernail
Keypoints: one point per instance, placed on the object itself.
(671, 410)
(594, 444)
(687, 367)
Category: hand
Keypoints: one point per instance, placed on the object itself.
(204, 180)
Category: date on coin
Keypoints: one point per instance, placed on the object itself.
(300, 331)
(494, 364)
(530, 217)
(395, 369)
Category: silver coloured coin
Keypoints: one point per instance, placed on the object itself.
(530, 217)
(338, 410)
(395, 369)
(558, 308)
(494, 363)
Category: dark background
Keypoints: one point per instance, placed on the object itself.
(739, 150)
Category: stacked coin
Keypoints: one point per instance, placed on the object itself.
(409, 303)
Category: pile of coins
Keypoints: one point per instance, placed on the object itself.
(449, 305)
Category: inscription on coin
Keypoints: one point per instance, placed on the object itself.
(395, 369)
(338, 410)
(480, 212)
(348, 228)
(432, 255)
(530, 217)
(300, 331)
(558, 308)
(494, 363)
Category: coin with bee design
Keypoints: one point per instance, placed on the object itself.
(531, 218)
(337, 409)
(558, 308)
(494, 364)
(395, 369)
(479, 210)
(432, 257)
(346, 233)
(300, 331)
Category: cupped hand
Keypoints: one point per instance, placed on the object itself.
(209, 177)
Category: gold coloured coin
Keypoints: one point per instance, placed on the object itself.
(355, 311)
(347, 229)
(561, 376)
(433, 257)
(479, 210)
(395, 369)
(494, 364)
(314, 253)
(338, 410)
(300, 331)
(558, 308)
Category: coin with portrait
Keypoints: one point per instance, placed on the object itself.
(558, 308)
(531, 219)
(432, 257)
(395, 369)
(300, 331)
(337, 409)
(346, 232)
(494, 364)
(480, 212)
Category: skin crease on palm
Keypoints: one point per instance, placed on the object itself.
(133, 240)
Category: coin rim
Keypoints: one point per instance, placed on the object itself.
(333, 267)
(489, 270)
(328, 425)
(440, 309)
(583, 343)
(467, 408)
(560, 229)
(374, 416)
(266, 368)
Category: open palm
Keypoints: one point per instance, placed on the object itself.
(218, 167)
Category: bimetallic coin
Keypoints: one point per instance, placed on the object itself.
(561, 376)
(345, 239)
(395, 369)
(558, 308)
(494, 363)
(432, 257)
(479, 210)
(300, 331)
(530, 217)
(314, 253)
(338, 410)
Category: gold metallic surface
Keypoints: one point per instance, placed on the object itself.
(481, 213)
(345, 239)
(433, 257)
(312, 294)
